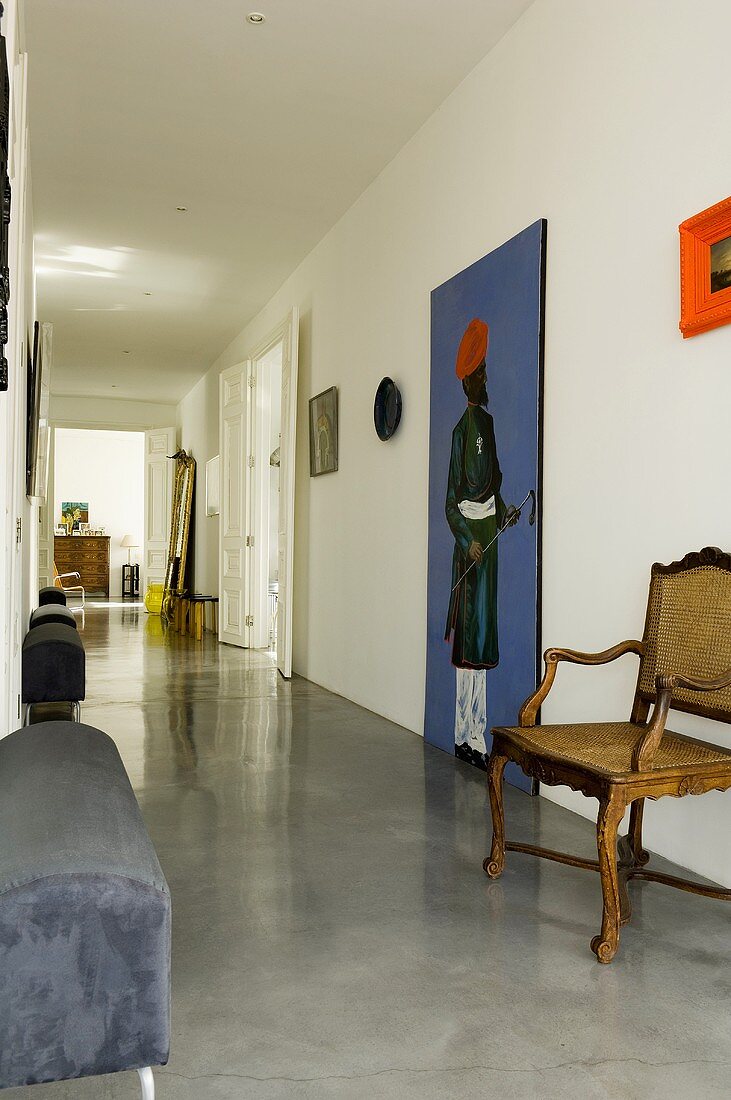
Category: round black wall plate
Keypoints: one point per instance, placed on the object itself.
(387, 408)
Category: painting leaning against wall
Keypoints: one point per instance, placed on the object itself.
(483, 603)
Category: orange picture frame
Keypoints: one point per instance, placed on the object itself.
(701, 306)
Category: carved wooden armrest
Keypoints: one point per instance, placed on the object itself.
(694, 683)
(529, 710)
(646, 747)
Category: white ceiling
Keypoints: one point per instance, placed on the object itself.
(266, 134)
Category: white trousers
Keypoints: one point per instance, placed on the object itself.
(470, 720)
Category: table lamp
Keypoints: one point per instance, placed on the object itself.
(129, 542)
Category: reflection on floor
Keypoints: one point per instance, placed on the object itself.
(334, 934)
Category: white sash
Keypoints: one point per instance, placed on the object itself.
(473, 509)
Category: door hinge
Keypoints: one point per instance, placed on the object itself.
(252, 380)
(251, 461)
(18, 531)
(249, 540)
(249, 620)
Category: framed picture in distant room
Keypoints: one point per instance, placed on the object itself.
(74, 512)
(705, 270)
(324, 432)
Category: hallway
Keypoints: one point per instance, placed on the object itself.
(333, 932)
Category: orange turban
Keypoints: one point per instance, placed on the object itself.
(472, 348)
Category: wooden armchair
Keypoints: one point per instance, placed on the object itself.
(685, 663)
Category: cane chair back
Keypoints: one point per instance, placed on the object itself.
(688, 630)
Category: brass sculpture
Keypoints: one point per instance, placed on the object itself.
(183, 485)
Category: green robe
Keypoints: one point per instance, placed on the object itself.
(474, 474)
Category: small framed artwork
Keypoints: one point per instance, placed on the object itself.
(324, 432)
(59, 529)
(705, 270)
(85, 528)
(75, 512)
(213, 486)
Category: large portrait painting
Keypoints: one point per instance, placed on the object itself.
(483, 613)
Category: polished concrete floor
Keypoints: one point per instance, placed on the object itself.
(334, 934)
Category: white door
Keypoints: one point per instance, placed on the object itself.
(286, 492)
(159, 445)
(234, 422)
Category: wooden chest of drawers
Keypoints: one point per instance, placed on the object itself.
(87, 555)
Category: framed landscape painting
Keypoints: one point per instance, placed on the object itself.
(705, 270)
(483, 596)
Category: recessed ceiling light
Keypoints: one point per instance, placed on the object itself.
(126, 351)
(181, 209)
(147, 293)
(255, 17)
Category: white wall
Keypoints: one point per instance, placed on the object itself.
(103, 412)
(589, 115)
(108, 470)
(18, 560)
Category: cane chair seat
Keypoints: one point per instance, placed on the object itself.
(606, 747)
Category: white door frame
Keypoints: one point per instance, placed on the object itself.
(260, 490)
(234, 404)
(289, 330)
(47, 519)
(159, 446)
(243, 559)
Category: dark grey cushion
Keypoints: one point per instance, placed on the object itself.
(51, 594)
(84, 912)
(54, 664)
(52, 613)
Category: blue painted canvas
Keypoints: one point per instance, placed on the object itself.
(483, 611)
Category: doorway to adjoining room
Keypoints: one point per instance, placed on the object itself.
(97, 510)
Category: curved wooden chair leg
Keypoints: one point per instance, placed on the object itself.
(493, 865)
(635, 832)
(611, 812)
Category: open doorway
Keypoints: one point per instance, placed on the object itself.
(97, 509)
